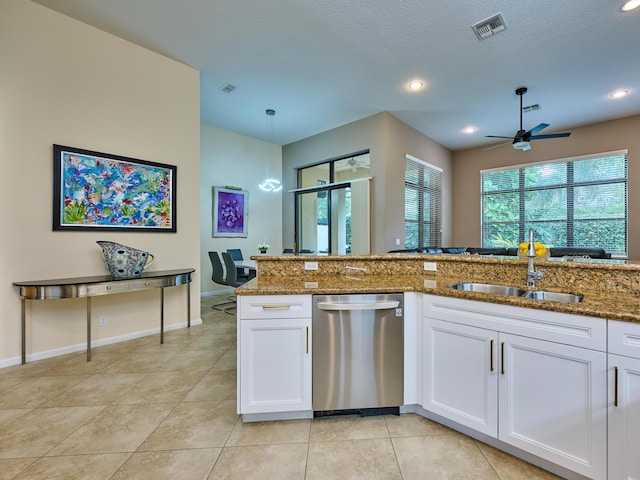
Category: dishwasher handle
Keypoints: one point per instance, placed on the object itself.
(358, 306)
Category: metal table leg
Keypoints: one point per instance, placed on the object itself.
(88, 329)
(189, 305)
(24, 332)
(162, 315)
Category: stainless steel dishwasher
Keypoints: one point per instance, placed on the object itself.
(358, 354)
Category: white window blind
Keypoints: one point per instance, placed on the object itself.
(422, 204)
(580, 202)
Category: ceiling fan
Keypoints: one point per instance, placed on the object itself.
(354, 163)
(522, 139)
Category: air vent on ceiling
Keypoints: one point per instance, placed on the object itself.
(531, 108)
(228, 87)
(489, 26)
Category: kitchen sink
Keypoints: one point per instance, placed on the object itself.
(489, 288)
(554, 296)
(518, 292)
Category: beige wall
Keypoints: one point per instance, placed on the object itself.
(229, 158)
(67, 83)
(388, 140)
(596, 138)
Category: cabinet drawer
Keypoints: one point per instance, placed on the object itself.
(146, 283)
(624, 338)
(106, 288)
(274, 306)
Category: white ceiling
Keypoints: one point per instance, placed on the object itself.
(325, 63)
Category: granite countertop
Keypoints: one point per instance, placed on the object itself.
(602, 303)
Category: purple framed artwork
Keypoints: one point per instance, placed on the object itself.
(104, 192)
(230, 212)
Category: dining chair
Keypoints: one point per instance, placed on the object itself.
(236, 255)
(230, 267)
(218, 277)
(232, 280)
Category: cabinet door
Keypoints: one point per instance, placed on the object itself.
(624, 417)
(275, 365)
(460, 374)
(553, 402)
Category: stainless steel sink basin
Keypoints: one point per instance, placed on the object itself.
(489, 288)
(518, 292)
(554, 296)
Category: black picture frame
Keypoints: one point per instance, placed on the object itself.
(105, 192)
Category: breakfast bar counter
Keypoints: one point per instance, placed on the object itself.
(610, 290)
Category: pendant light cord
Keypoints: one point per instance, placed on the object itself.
(270, 184)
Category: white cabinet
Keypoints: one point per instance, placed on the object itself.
(460, 374)
(624, 400)
(530, 378)
(552, 401)
(274, 354)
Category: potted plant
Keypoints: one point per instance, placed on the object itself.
(263, 247)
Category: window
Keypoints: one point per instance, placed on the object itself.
(422, 204)
(580, 202)
(332, 206)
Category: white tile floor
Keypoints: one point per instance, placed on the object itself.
(141, 410)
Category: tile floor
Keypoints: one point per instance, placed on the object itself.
(141, 410)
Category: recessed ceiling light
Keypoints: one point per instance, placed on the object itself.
(470, 129)
(416, 85)
(619, 93)
(631, 5)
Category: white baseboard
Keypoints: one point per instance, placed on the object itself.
(56, 352)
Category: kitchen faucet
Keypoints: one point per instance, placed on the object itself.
(532, 273)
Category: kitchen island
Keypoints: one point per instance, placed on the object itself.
(551, 382)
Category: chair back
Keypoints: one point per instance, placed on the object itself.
(231, 278)
(218, 271)
(236, 254)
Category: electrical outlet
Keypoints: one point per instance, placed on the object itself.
(310, 265)
(430, 266)
(104, 320)
(397, 242)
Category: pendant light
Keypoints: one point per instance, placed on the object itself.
(270, 184)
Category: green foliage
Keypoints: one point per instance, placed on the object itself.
(591, 212)
(127, 210)
(75, 212)
(160, 208)
(497, 240)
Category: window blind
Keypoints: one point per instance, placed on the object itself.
(422, 204)
(578, 202)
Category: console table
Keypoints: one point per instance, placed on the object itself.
(87, 287)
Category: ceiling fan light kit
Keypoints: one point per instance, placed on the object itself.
(522, 139)
(522, 145)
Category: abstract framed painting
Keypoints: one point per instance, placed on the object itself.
(230, 207)
(104, 192)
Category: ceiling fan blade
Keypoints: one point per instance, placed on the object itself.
(497, 136)
(537, 128)
(496, 146)
(550, 135)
